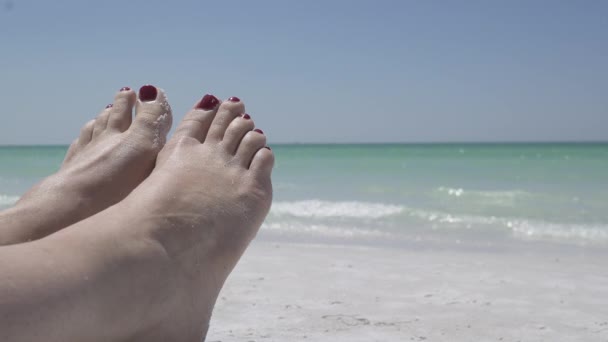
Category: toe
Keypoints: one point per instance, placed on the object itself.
(252, 142)
(102, 121)
(196, 123)
(263, 162)
(153, 117)
(72, 150)
(236, 131)
(226, 113)
(86, 133)
(121, 111)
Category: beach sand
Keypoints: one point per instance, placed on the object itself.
(299, 292)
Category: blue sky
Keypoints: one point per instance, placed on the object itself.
(316, 71)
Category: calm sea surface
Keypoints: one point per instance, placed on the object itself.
(480, 194)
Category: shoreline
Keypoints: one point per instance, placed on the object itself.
(303, 292)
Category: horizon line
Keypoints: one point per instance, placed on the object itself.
(497, 142)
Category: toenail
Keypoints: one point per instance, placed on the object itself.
(258, 130)
(246, 116)
(109, 106)
(234, 99)
(268, 148)
(125, 89)
(147, 93)
(208, 102)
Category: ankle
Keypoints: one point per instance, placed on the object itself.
(137, 269)
(22, 223)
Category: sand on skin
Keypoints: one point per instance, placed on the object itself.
(298, 292)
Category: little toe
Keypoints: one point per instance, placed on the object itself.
(72, 150)
(236, 131)
(227, 112)
(153, 117)
(263, 162)
(121, 111)
(101, 122)
(252, 142)
(197, 121)
(86, 133)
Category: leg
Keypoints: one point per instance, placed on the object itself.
(93, 283)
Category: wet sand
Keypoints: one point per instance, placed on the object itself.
(299, 292)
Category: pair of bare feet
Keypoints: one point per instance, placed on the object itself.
(133, 238)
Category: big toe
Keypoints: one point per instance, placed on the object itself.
(153, 116)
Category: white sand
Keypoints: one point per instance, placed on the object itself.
(297, 292)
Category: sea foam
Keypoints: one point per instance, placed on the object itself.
(348, 209)
(6, 200)
(497, 198)
(369, 220)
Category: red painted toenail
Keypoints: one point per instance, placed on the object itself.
(246, 116)
(208, 102)
(234, 99)
(147, 93)
(109, 106)
(268, 148)
(258, 130)
(125, 89)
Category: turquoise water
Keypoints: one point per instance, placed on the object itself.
(452, 193)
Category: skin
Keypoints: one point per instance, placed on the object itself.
(151, 266)
(113, 155)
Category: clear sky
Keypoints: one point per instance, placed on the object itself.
(316, 71)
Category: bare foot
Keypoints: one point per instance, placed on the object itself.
(203, 203)
(110, 158)
(150, 267)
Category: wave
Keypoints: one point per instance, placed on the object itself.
(369, 220)
(520, 228)
(581, 234)
(6, 200)
(323, 209)
(495, 197)
(323, 230)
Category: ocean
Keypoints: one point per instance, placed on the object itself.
(480, 195)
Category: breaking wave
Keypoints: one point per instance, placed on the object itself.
(7, 200)
(363, 220)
